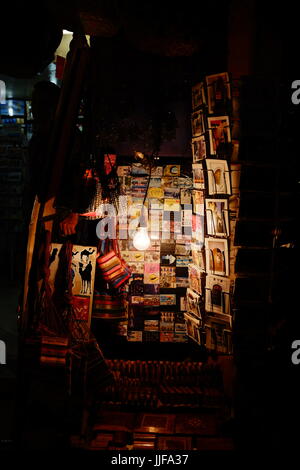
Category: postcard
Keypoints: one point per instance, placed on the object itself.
(217, 256)
(198, 227)
(219, 135)
(156, 193)
(151, 267)
(218, 176)
(151, 325)
(186, 216)
(136, 299)
(185, 196)
(198, 202)
(172, 170)
(198, 96)
(151, 278)
(157, 171)
(169, 182)
(183, 261)
(151, 300)
(198, 176)
(172, 205)
(167, 299)
(198, 126)
(168, 277)
(193, 327)
(172, 193)
(217, 217)
(134, 335)
(152, 257)
(199, 148)
(198, 258)
(136, 267)
(139, 169)
(182, 249)
(217, 299)
(195, 278)
(218, 92)
(155, 182)
(193, 302)
(168, 259)
(185, 182)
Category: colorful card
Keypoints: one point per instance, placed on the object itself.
(151, 300)
(135, 336)
(172, 205)
(167, 299)
(151, 278)
(172, 170)
(183, 261)
(172, 193)
(198, 202)
(199, 148)
(155, 193)
(198, 176)
(185, 196)
(168, 259)
(168, 277)
(193, 327)
(193, 302)
(151, 325)
(195, 278)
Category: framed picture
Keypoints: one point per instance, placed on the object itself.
(218, 92)
(192, 302)
(193, 327)
(199, 148)
(198, 95)
(218, 176)
(217, 217)
(219, 135)
(195, 278)
(198, 176)
(217, 299)
(217, 260)
(83, 267)
(198, 126)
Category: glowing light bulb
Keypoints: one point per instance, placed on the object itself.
(10, 111)
(141, 240)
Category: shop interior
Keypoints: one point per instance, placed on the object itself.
(148, 228)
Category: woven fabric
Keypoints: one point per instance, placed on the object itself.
(113, 268)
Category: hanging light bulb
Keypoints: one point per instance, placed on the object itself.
(141, 240)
